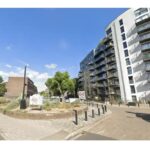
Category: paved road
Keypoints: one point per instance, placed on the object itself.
(124, 124)
(92, 136)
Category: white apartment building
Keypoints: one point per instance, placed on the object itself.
(130, 33)
(121, 62)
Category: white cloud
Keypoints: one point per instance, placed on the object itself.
(51, 66)
(8, 66)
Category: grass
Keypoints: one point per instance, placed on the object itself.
(4, 101)
(60, 105)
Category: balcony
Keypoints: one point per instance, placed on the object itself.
(145, 47)
(81, 80)
(91, 68)
(112, 59)
(101, 57)
(110, 45)
(91, 63)
(102, 70)
(114, 84)
(112, 67)
(144, 38)
(93, 80)
(103, 77)
(92, 74)
(112, 75)
(107, 39)
(110, 52)
(146, 57)
(143, 28)
(100, 64)
(142, 19)
(112, 92)
(147, 68)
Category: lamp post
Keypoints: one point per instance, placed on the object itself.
(23, 101)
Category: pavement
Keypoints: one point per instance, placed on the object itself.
(92, 136)
(125, 123)
(52, 129)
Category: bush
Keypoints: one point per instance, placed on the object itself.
(131, 104)
(4, 100)
(12, 105)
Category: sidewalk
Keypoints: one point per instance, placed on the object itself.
(19, 129)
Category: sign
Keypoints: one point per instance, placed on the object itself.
(81, 95)
(36, 99)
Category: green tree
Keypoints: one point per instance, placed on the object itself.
(60, 83)
(2, 87)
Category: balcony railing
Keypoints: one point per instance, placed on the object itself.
(145, 37)
(114, 83)
(111, 75)
(145, 47)
(99, 58)
(109, 52)
(100, 71)
(111, 59)
(111, 67)
(143, 27)
(146, 57)
(100, 64)
(101, 77)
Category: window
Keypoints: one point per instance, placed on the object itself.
(134, 99)
(123, 37)
(126, 53)
(131, 80)
(124, 45)
(121, 22)
(108, 31)
(122, 29)
(128, 62)
(129, 69)
(132, 89)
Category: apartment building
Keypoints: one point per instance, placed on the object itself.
(14, 87)
(122, 59)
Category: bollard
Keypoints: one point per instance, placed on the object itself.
(76, 117)
(105, 108)
(99, 112)
(97, 105)
(138, 104)
(86, 117)
(93, 115)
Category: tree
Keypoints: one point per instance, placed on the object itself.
(60, 84)
(2, 87)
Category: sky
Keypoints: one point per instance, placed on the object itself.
(49, 40)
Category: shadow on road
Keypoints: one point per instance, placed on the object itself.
(144, 116)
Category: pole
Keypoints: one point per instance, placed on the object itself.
(86, 117)
(93, 116)
(23, 101)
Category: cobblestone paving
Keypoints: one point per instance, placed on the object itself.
(19, 129)
(125, 123)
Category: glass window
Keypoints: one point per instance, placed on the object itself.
(123, 37)
(131, 80)
(129, 69)
(132, 89)
(122, 29)
(128, 62)
(108, 31)
(134, 99)
(121, 22)
(124, 45)
(126, 53)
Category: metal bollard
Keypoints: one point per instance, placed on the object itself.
(105, 108)
(93, 115)
(138, 104)
(76, 117)
(97, 105)
(99, 113)
(86, 117)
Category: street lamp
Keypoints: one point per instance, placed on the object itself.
(23, 101)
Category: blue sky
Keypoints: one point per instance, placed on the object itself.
(49, 40)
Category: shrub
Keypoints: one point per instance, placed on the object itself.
(12, 105)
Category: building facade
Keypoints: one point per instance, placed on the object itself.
(14, 87)
(122, 58)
